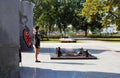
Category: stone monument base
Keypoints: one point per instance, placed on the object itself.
(72, 54)
(53, 56)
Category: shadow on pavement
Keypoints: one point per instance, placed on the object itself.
(27, 72)
(70, 63)
(53, 50)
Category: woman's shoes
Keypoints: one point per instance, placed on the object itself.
(37, 61)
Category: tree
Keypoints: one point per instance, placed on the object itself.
(109, 10)
(62, 13)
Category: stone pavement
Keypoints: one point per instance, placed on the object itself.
(106, 66)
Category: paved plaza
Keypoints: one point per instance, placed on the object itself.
(106, 66)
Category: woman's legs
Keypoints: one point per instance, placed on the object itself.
(36, 54)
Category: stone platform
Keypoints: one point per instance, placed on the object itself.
(106, 66)
(54, 56)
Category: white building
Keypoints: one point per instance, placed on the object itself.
(110, 29)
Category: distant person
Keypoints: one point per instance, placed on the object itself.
(37, 42)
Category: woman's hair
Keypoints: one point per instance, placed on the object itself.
(37, 27)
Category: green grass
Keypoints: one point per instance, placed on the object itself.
(78, 41)
(108, 39)
(55, 40)
(50, 41)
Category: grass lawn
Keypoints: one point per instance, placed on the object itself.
(51, 40)
(108, 39)
(55, 40)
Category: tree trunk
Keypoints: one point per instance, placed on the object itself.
(86, 33)
(60, 29)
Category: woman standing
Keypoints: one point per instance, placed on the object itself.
(37, 43)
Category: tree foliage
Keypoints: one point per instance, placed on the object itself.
(108, 9)
(81, 14)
